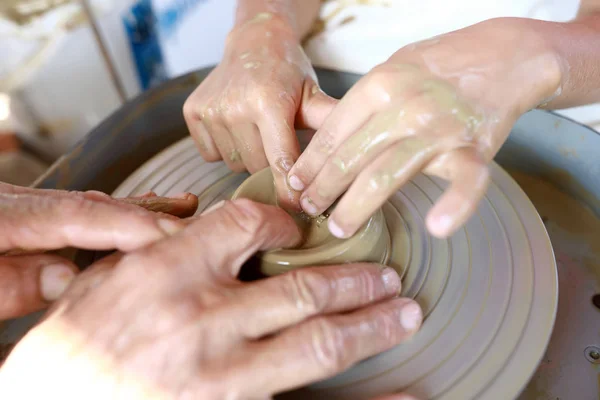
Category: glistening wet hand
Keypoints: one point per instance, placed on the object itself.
(245, 111)
(33, 221)
(172, 321)
(443, 106)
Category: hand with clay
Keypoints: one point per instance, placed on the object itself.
(171, 321)
(33, 221)
(443, 106)
(245, 111)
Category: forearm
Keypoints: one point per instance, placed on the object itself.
(577, 45)
(298, 15)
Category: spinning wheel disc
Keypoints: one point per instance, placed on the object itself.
(489, 293)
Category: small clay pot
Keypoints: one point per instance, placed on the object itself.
(370, 244)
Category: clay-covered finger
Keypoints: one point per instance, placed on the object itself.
(45, 222)
(182, 206)
(200, 134)
(249, 143)
(325, 346)
(224, 239)
(375, 184)
(469, 176)
(273, 304)
(347, 117)
(223, 140)
(372, 94)
(282, 149)
(30, 283)
(315, 106)
(377, 135)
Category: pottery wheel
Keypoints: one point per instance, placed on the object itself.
(489, 293)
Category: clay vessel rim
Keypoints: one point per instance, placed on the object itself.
(292, 255)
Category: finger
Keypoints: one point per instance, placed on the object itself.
(200, 134)
(349, 115)
(224, 142)
(377, 183)
(31, 283)
(249, 142)
(370, 95)
(144, 195)
(182, 206)
(325, 346)
(270, 305)
(470, 177)
(379, 133)
(224, 239)
(282, 149)
(92, 277)
(315, 106)
(54, 222)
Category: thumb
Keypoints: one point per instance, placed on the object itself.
(31, 283)
(316, 105)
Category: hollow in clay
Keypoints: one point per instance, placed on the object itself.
(372, 243)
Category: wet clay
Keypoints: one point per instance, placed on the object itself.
(372, 243)
(565, 217)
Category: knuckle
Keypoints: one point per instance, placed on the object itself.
(326, 140)
(286, 100)
(386, 322)
(211, 112)
(369, 283)
(190, 110)
(308, 291)
(326, 345)
(74, 204)
(96, 195)
(378, 84)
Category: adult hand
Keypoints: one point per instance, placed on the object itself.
(172, 321)
(443, 106)
(34, 220)
(245, 111)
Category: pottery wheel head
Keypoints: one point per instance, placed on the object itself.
(489, 293)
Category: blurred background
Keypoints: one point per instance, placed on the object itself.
(65, 65)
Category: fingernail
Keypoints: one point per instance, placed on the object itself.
(411, 316)
(214, 207)
(441, 226)
(391, 280)
(54, 280)
(335, 229)
(296, 183)
(170, 226)
(308, 206)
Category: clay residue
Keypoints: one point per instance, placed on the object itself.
(566, 218)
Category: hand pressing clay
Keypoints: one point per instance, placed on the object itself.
(372, 243)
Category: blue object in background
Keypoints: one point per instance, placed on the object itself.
(141, 29)
(173, 15)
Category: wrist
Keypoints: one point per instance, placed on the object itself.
(538, 72)
(263, 26)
